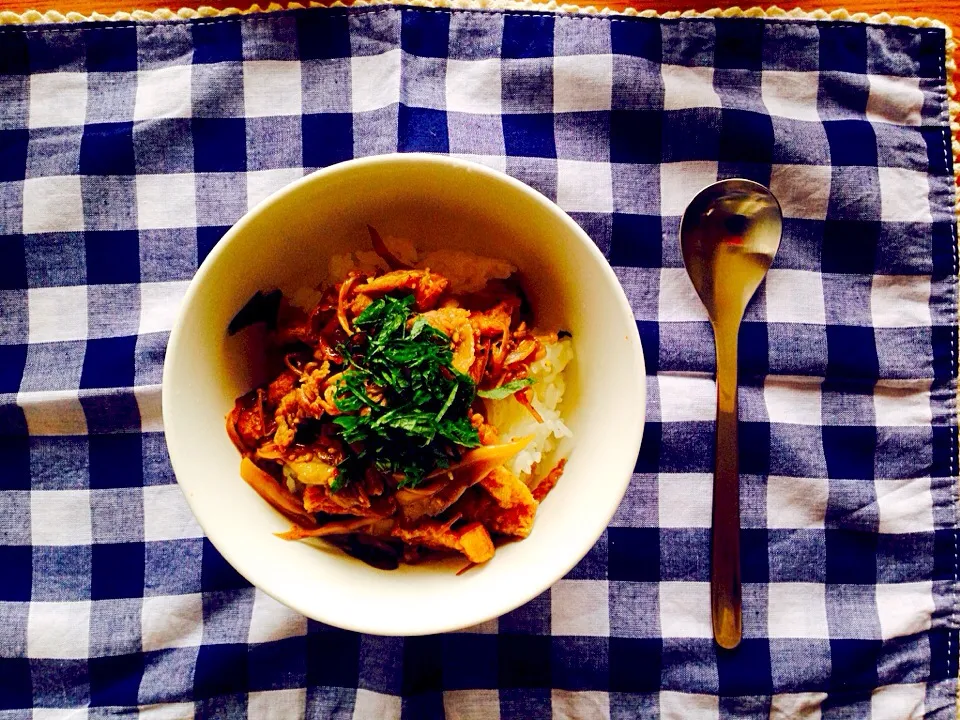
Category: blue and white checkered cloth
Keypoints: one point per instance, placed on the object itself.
(127, 150)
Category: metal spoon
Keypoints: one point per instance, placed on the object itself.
(729, 235)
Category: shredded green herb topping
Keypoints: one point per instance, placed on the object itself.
(507, 389)
(405, 406)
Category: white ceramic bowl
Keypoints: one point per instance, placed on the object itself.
(286, 242)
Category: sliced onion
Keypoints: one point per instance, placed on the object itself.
(336, 527)
(489, 455)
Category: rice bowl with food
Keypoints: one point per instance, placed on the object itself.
(413, 408)
(441, 204)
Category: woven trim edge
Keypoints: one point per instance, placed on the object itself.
(30, 17)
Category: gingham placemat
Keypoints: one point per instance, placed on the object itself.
(127, 150)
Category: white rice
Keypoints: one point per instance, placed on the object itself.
(466, 271)
(368, 262)
(514, 421)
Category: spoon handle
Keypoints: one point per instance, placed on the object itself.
(725, 595)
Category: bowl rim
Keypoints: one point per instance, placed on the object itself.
(623, 473)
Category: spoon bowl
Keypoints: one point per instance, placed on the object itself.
(729, 236)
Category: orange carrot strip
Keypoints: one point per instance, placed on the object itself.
(548, 482)
(523, 397)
